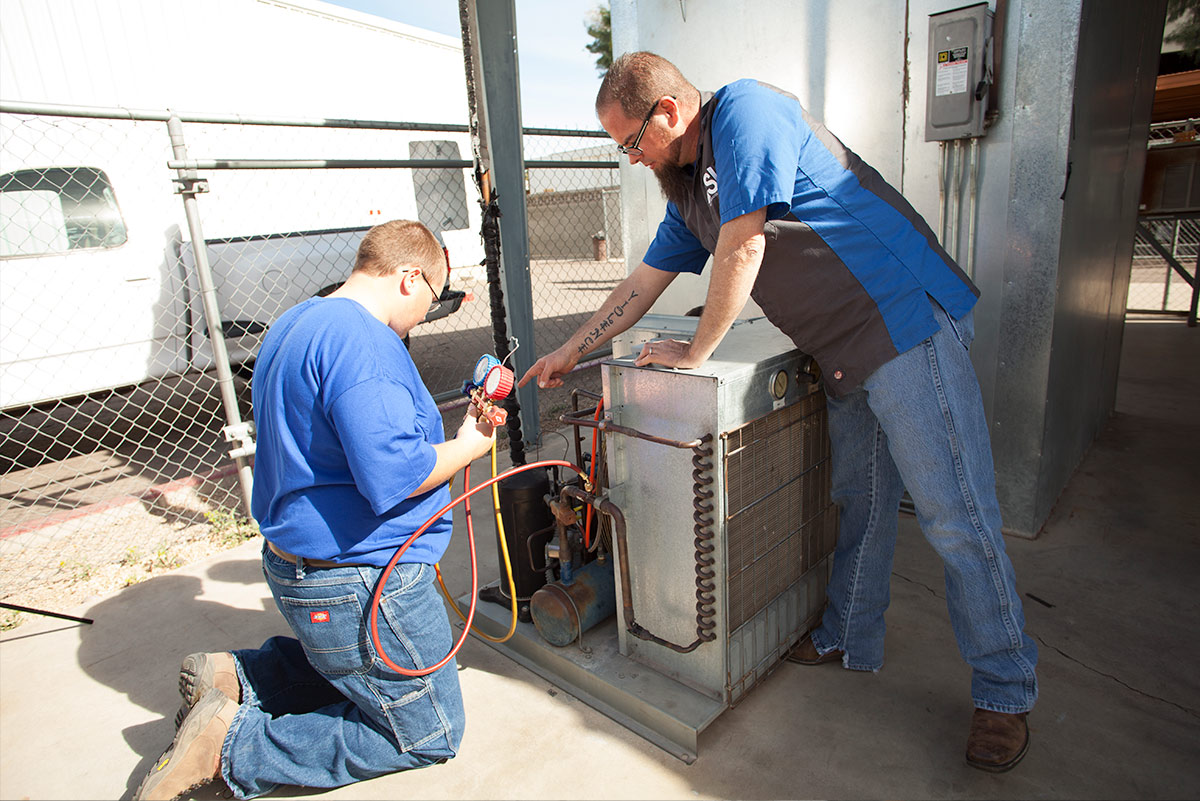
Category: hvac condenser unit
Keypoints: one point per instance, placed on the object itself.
(729, 543)
(722, 476)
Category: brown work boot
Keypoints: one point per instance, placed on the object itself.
(805, 653)
(203, 672)
(998, 740)
(194, 758)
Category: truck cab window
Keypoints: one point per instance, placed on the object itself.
(56, 210)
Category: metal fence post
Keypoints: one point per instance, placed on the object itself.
(1167, 282)
(188, 184)
(1195, 303)
(497, 30)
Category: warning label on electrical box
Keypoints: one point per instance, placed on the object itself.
(951, 72)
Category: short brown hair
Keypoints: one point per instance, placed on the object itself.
(635, 81)
(390, 246)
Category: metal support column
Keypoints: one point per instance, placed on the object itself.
(237, 432)
(501, 97)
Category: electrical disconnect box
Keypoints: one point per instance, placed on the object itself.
(960, 73)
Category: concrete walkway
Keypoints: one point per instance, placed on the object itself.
(1110, 593)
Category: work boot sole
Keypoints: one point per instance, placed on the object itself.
(200, 673)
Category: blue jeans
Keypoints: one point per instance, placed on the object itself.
(323, 710)
(918, 422)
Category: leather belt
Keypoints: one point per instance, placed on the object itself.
(291, 557)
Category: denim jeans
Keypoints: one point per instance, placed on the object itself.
(918, 422)
(323, 710)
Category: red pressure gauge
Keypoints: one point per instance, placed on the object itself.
(499, 383)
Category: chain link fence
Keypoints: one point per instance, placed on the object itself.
(1163, 273)
(574, 219)
(114, 451)
(1155, 285)
(1165, 133)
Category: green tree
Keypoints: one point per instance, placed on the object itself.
(1187, 14)
(600, 29)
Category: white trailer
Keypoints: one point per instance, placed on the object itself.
(97, 288)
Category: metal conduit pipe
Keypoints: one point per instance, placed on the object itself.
(972, 199)
(942, 193)
(163, 115)
(364, 164)
(955, 199)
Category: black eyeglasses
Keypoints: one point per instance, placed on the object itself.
(637, 140)
(437, 302)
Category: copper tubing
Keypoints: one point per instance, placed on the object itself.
(702, 501)
(705, 575)
(575, 393)
(576, 419)
(618, 517)
(704, 626)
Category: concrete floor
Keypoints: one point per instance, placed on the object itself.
(1109, 590)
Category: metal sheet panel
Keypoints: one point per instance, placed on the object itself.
(1118, 42)
(1045, 36)
(653, 485)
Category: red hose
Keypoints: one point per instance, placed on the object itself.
(387, 571)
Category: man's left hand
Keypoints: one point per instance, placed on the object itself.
(668, 353)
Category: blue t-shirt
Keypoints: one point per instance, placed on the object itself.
(848, 265)
(345, 434)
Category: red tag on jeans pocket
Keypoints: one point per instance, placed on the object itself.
(319, 617)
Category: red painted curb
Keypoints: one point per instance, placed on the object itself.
(150, 493)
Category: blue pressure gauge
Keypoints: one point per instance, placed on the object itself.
(482, 367)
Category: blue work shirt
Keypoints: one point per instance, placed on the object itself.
(345, 434)
(848, 263)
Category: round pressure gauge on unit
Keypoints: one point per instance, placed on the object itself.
(779, 385)
(482, 367)
(498, 383)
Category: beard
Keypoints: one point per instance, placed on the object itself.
(676, 182)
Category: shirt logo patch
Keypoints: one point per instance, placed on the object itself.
(319, 617)
(710, 183)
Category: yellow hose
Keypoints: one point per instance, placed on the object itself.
(512, 586)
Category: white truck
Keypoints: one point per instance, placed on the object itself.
(97, 285)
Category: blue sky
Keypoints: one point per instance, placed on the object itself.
(558, 75)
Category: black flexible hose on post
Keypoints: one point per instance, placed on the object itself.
(491, 249)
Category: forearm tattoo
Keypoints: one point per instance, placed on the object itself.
(594, 335)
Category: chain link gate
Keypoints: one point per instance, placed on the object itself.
(118, 415)
(1166, 249)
